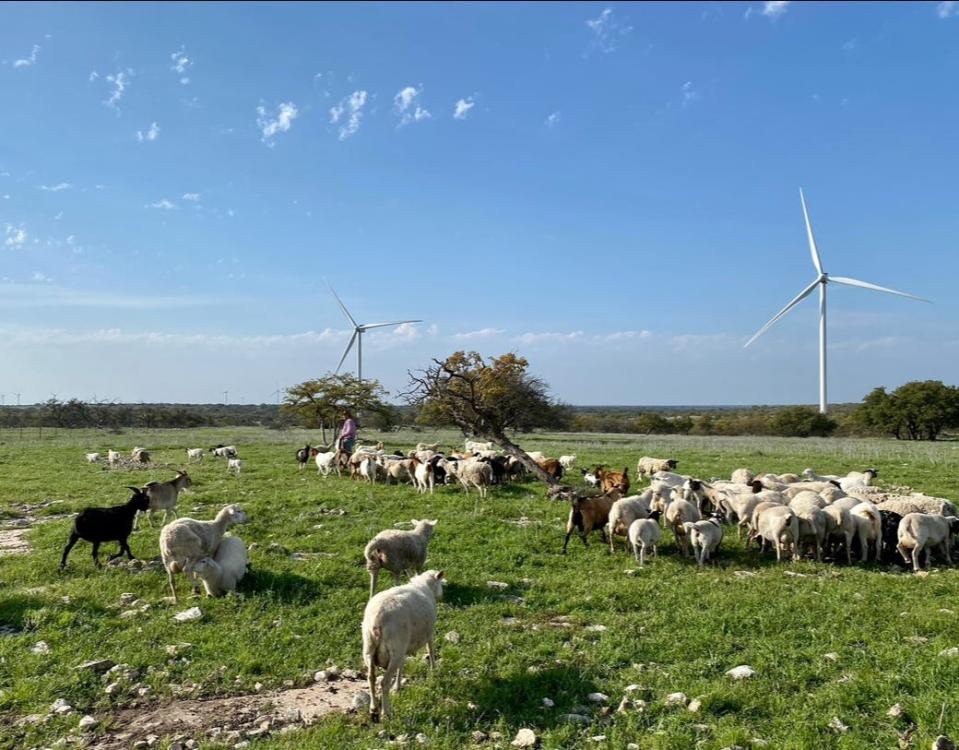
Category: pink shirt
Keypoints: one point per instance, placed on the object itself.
(349, 429)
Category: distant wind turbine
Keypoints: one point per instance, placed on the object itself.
(357, 337)
(821, 280)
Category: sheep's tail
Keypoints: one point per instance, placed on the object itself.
(374, 558)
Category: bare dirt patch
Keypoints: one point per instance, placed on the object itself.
(13, 533)
(230, 719)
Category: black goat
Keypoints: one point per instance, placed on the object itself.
(98, 525)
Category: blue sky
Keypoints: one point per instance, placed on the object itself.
(611, 190)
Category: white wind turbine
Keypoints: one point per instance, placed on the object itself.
(821, 280)
(357, 337)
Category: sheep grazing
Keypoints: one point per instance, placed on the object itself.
(567, 462)
(194, 454)
(625, 511)
(587, 514)
(163, 496)
(303, 456)
(889, 552)
(920, 532)
(234, 465)
(398, 551)
(185, 540)
(858, 479)
(221, 573)
(705, 537)
(678, 513)
(478, 474)
(92, 458)
(917, 503)
(643, 534)
(224, 451)
(397, 623)
(537, 456)
(647, 466)
(840, 527)
(610, 481)
(868, 528)
(778, 525)
(812, 521)
(114, 524)
(742, 476)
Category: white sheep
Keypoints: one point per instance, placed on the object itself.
(567, 461)
(704, 537)
(397, 623)
(537, 456)
(93, 458)
(194, 454)
(917, 503)
(812, 521)
(742, 476)
(234, 465)
(924, 531)
(113, 457)
(778, 525)
(473, 445)
(643, 534)
(186, 540)
(326, 462)
(678, 512)
(868, 527)
(371, 469)
(625, 511)
(649, 466)
(590, 478)
(224, 451)
(858, 479)
(398, 551)
(478, 474)
(423, 476)
(427, 446)
(840, 525)
(221, 573)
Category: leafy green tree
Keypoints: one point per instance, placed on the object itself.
(318, 403)
(487, 399)
(802, 421)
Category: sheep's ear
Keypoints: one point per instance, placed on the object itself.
(414, 521)
(434, 522)
(439, 576)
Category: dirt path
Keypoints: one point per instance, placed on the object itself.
(230, 719)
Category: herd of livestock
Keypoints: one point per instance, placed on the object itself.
(822, 516)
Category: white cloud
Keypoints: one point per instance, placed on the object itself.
(690, 94)
(119, 81)
(349, 112)
(181, 64)
(13, 295)
(194, 197)
(63, 337)
(26, 62)
(552, 120)
(41, 277)
(152, 133)
(163, 204)
(482, 333)
(59, 187)
(548, 337)
(775, 8)
(606, 31)
(93, 76)
(14, 237)
(407, 107)
(945, 9)
(286, 113)
(463, 107)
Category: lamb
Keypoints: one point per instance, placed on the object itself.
(567, 461)
(473, 445)
(644, 533)
(868, 527)
(705, 537)
(423, 476)
(185, 540)
(777, 524)
(396, 624)
(678, 512)
(194, 454)
(163, 496)
(234, 465)
(223, 571)
(92, 457)
(478, 474)
(625, 511)
(113, 524)
(398, 551)
(587, 514)
(924, 531)
(648, 466)
(303, 456)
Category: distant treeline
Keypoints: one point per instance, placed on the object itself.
(921, 410)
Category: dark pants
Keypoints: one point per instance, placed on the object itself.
(346, 444)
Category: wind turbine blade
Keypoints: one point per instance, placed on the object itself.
(813, 250)
(796, 300)
(342, 306)
(346, 352)
(874, 287)
(368, 326)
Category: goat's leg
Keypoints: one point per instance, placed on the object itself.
(569, 533)
(169, 575)
(430, 653)
(74, 538)
(96, 554)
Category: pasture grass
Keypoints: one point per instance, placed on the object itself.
(669, 627)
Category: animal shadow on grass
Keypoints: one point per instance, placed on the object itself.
(518, 697)
(464, 595)
(288, 588)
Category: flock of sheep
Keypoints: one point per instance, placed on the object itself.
(825, 515)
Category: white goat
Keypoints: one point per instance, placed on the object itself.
(163, 496)
(397, 623)
(567, 461)
(234, 465)
(194, 454)
(93, 457)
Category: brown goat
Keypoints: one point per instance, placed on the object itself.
(613, 480)
(552, 467)
(587, 514)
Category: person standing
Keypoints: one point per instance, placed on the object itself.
(348, 433)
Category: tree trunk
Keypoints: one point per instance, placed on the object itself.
(520, 455)
(323, 431)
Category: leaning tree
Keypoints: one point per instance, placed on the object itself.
(486, 399)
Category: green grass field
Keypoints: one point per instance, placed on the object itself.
(670, 627)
